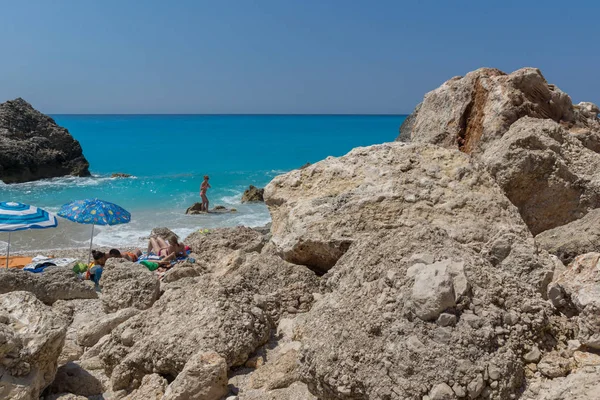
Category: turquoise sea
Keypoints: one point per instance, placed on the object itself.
(168, 155)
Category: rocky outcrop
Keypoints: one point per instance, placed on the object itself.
(120, 175)
(126, 284)
(224, 316)
(432, 275)
(469, 112)
(580, 385)
(197, 208)
(407, 125)
(230, 314)
(78, 312)
(578, 237)
(152, 388)
(55, 283)
(72, 378)
(209, 247)
(576, 292)
(204, 377)
(90, 333)
(253, 194)
(31, 339)
(33, 146)
(546, 172)
(319, 212)
(542, 149)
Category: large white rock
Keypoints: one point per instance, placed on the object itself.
(204, 377)
(433, 291)
(542, 149)
(406, 232)
(577, 292)
(31, 339)
(89, 334)
(126, 284)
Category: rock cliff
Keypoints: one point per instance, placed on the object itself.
(542, 149)
(33, 146)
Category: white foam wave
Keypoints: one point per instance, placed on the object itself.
(276, 172)
(67, 181)
(235, 199)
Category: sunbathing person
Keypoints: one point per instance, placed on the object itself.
(167, 251)
(130, 256)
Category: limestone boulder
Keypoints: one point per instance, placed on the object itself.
(33, 146)
(253, 195)
(126, 284)
(320, 211)
(548, 151)
(31, 339)
(407, 125)
(55, 283)
(185, 270)
(73, 378)
(583, 384)
(296, 391)
(546, 172)
(406, 233)
(575, 238)
(576, 292)
(204, 377)
(152, 388)
(219, 316)
(78, 313)
(210, 247)
(65, 396)
(470, 112)
(90, 333)
(231, 314)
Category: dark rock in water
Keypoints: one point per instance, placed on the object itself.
(33, 146)
(196, 208)
(305, 166)
(120, 175)
(253, 194)
(407, 125)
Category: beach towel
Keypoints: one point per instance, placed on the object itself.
(15, 261)
(39, 267)
(39, 261)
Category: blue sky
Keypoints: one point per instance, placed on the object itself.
(282, 56)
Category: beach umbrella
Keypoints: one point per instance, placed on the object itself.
(18, 217)
(94, 212)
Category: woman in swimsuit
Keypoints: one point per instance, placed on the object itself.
(203, 188)
(167, 251)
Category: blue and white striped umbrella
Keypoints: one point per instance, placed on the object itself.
(17, 217)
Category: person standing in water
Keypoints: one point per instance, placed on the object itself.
(203, 188)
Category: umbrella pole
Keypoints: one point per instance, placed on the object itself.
(8, 250)
(91, 241)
